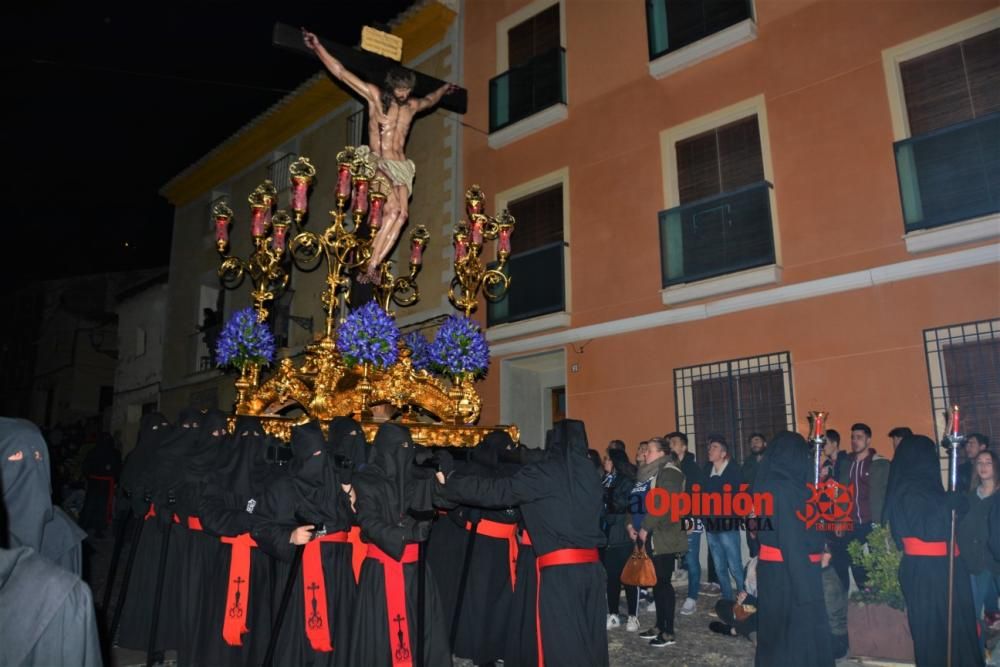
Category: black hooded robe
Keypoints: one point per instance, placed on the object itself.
(161, 479)
(101, 468)
(227, 511)
(481, 631)
(917, 506)
(311, 494)
(27, 493)
(389, 491)
(561, 500)
(791, 611)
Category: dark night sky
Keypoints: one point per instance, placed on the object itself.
(103, 104)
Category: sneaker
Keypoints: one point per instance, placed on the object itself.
(663, 640)
(710, 589)
(633, 624)
(689, 606)
(613, 621)
(651, 606)
(652, 633)
(713, 614)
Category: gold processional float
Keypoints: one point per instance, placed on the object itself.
(437, 411)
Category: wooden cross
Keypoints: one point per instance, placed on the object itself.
(369, 66)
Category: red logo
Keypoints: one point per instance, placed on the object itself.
(829, 507)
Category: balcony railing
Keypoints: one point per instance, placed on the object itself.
(527, 89)
(674, 24)
(536, 287)
(950, 174)
(717, 235)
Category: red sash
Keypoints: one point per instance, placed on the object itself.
(774, 555)
(109, 510)
(553, 558)
(501, 531)
(314, 592)
(358, 552)
(194, 523)
(395, 601)
(525, 539)
(238, 592)
(914, 546)
(150, 513)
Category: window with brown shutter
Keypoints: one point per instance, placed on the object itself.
(957, 83)
(720, 160)
(538, 219)
(534, 37)
(536, 264)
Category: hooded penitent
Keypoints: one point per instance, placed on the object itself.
(346, 439)
(32, 520)
(793, 625)
(137, 472)
(919, 514)
(561, 499)
(393, 497)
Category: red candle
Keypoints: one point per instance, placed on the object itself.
(505, 240)
(278, 238)
(818, 435)
(954, 420)
(416, 252)
(222, 229)
(300, 188)
(460, 249)
(361, 197)
(375, 217)
(477, 231)
(257, 223)
(344, 181)
(267, 214)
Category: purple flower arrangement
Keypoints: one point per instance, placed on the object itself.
(420, 350)
(244, 340)
(368, 336)
(460, 348)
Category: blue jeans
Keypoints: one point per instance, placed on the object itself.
(984, 585)
(693, 563)
(725, 546)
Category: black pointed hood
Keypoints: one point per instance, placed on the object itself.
(27, 488)
(915, 469)
(487, 453)
(346, 438)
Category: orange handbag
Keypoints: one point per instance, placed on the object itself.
(639, 570)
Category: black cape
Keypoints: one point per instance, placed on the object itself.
(791, 612)
(393, 498)
(309, 495)
(27, 493)
(46, 613)
(916, 505)
(561, 500)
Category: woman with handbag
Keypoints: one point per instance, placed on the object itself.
(619, 478)
(664, 538)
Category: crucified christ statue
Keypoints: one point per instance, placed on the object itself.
(390, 112)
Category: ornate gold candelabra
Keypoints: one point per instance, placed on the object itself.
(346, 243)
(265, 264)
(471, 275)
(324, 386)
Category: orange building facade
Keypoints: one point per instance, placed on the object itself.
(729, 217)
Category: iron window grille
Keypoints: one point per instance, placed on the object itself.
(963, 368)
(277, 172)
(734, 398)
